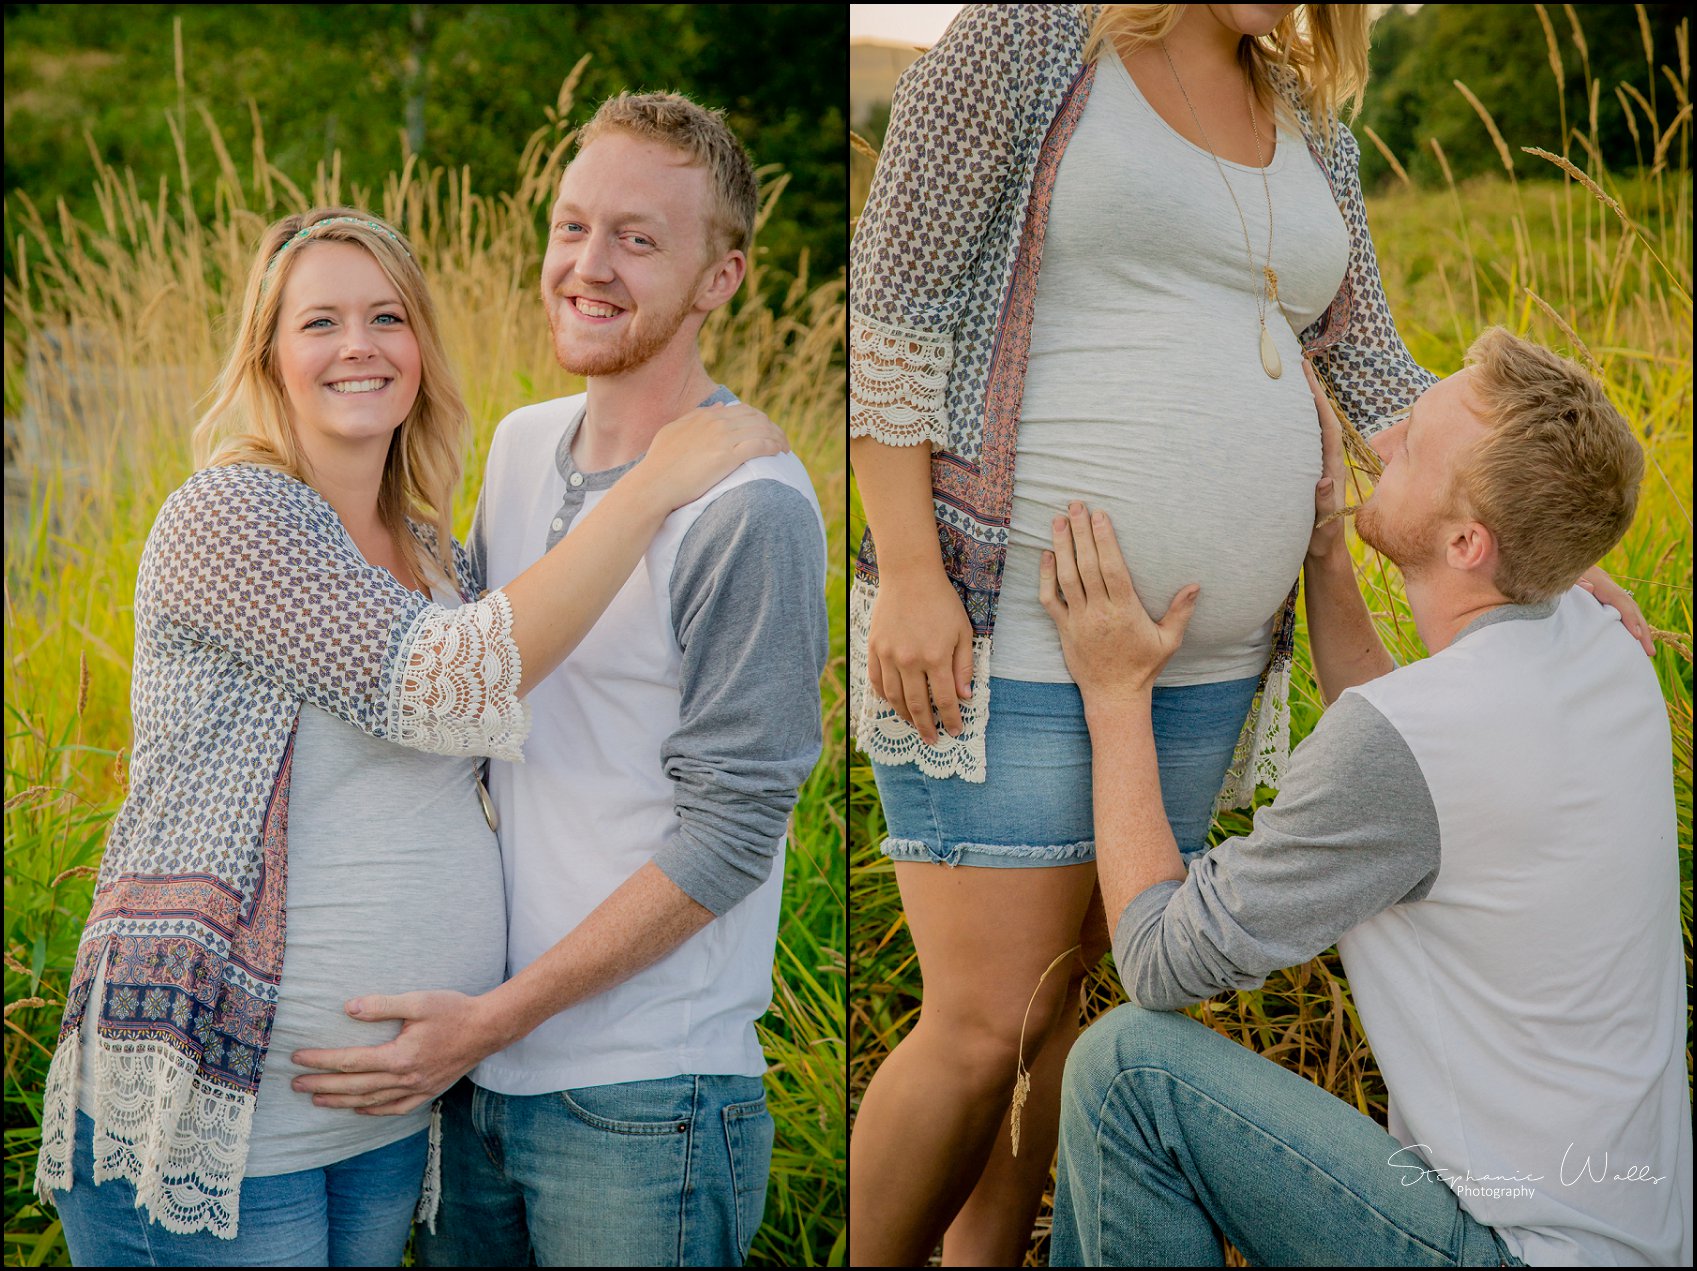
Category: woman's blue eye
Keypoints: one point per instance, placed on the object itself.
(394, 319)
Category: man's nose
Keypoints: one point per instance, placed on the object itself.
(594, 259)
(1384, 441)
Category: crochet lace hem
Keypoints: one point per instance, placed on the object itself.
(458, 692)
(1260, 758)
(898, 380)
(1263, 748)
(182, 1143)
(429, 1200)
(885, 737)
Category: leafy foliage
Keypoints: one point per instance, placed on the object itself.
(331, 78)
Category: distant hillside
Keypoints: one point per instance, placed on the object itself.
(874, 68)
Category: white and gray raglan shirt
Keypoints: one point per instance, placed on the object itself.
(679, 732)
(1488, 835)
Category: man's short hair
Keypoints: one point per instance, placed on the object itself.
(674, 120)
(1556, 480)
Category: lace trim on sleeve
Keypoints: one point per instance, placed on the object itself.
(1263, 748)
(898, 379)
(457, 693)
(887, 738)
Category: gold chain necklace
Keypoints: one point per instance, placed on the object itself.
(1270, 361)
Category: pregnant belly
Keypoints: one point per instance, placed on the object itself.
(387, 932)
(1234, 519)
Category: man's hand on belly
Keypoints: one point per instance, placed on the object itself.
(444, 1035)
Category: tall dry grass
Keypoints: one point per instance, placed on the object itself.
(1592, 262)
(114, 332)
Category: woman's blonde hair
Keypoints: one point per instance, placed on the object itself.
(1324, 45)
(248, 421)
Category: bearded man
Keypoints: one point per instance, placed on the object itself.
(1487, 834)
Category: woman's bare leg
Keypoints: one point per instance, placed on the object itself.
(993, 1228)
(930, 1116)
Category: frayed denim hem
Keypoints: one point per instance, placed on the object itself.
(993, 855)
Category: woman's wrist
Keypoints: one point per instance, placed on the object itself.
(643, 496)
(911, 568)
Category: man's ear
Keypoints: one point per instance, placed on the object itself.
(1471, 548)
(720, 281)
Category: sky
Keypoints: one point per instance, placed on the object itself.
(921, 24)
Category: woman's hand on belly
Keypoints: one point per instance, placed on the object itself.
(1113, 648)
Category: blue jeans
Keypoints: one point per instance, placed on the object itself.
(354, 1213)
(1172, 1134)
(663, 1173)
(1034, 807)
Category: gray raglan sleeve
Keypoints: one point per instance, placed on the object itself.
(1353, 832)
(748, 606)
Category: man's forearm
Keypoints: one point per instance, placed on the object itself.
(1346, 648)
(645, 918)
(1134, 844)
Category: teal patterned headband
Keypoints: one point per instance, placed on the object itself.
(306, 233)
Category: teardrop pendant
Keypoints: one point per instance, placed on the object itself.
(1270, 355)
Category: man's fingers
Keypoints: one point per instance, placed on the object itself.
(1331, 432)
(1066, 562)
(376, 1098)
(397, 1108)
(349, 1083)
(348, 1059)
(1116, 578)
(1180, 612)
(1084, 547)
(1048, 594)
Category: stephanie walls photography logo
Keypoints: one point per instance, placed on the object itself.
(1575, 1171)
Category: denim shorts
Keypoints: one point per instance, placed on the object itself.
(354, 1213)
(663, 1173)
(1034, 807)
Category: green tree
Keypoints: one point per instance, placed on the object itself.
(463, 85)
(1500, 52)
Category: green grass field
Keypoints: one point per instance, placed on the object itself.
(114, 331)
(1540, 254)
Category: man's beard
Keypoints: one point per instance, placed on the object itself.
(634, 349)
(1409, 547)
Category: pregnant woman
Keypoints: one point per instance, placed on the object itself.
(1099, 241)
(315, 679)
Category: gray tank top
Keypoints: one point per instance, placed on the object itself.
(1145, 395)
(394, 885)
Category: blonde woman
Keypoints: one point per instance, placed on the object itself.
(1098, 245)
(316, 680)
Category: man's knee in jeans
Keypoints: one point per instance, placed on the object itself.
(1127, 1036)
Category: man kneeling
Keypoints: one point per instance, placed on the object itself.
(1488, 835)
